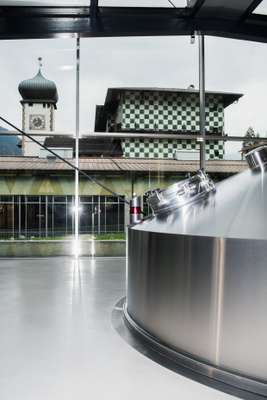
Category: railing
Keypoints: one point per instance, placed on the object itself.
(150, 135)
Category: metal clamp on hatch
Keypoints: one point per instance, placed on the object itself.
(180, 194)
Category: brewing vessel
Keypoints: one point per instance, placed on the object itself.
(197, 274)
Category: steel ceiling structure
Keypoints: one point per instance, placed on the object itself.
(225, 18)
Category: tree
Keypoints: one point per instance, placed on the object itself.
(250, 144)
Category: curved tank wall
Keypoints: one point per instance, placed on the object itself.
(237, 209)
(197, 279)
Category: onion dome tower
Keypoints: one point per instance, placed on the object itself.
(39, 102)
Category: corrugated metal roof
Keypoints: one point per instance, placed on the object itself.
(118, 165)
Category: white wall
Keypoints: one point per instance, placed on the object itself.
(31, 149)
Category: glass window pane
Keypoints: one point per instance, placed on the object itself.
(42, 91)
(33, 220)
(6, 220)
(112, 218)
(17, 216)
(86, 199)
(122, 54)
(247, 115)
(60, 220)
(32, 199)
(103, 227)
(87, 219)
(70, 219)
(102, 3)
(142, 3)
(111, 199)
(59, 199)
(36, 3)
(6, 199)
(50, 219)
(121, 216)
(42, 220)
(262, 8)
(22, 217)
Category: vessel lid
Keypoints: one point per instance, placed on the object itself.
(257, 158)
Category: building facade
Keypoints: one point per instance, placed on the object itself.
(164, 111)
(37, 190)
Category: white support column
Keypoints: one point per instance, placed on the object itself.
(77, 134)
(202, 103)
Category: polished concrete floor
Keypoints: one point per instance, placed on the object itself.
(57, 341)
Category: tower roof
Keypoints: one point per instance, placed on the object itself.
(38, 89)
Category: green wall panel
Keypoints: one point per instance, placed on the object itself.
(42, 185)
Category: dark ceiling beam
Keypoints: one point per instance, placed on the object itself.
(253, 29)
(197, 7)
(42, 22)
(95, 22)
(44, 11)
(37, 22)
(254, 4)
(93, 8)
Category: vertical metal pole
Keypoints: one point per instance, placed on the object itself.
(46, 216)
(19, 215)
(26, 217)
(202, 105)
(77, 131)
(66, 215)
(99, 215)
(118, 216)
(105, 214)
(40, 216)
(53, 216)
(13, 216)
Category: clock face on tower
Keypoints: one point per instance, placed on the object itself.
(37, 122)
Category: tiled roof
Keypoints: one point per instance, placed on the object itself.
(118, 164)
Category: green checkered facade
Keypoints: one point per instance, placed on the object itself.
(163, 148)
(156, 111)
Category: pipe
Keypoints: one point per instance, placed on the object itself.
(153, 135)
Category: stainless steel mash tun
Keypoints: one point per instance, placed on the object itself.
(181, 193)
(197, 275)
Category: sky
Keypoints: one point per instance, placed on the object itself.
(231, 65)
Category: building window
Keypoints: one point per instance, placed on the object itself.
(29, 217)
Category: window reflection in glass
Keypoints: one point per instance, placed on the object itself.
(34, 217)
